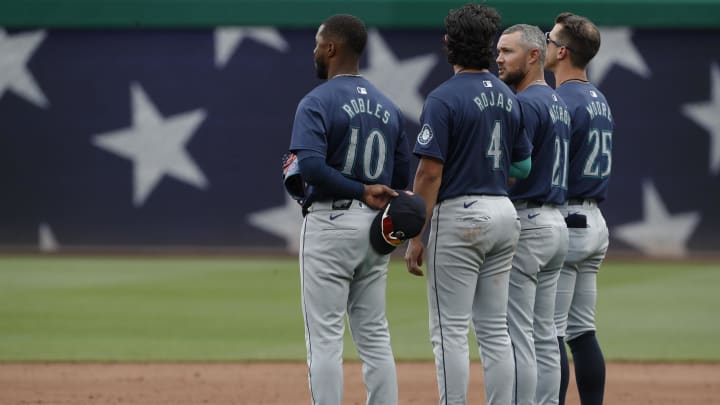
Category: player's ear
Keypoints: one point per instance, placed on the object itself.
(534, 55)
(332, 49)
(562, 53)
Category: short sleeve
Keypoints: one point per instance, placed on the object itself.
(309, 128)
(432, 141)
(531, 119)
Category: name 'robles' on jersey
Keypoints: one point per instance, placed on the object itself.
(364, 106)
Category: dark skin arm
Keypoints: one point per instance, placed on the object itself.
(377, 195)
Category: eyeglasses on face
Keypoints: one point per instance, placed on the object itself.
(556, 43)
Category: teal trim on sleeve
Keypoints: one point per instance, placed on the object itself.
(521, 169)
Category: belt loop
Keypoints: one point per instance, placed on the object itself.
(338, 204)
(342, 204)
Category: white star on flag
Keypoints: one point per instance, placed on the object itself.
(47, 243)
(15, 52)
(616, 48)
(707, 115)
(284, 221)
(659, 233)
(399, 80)
(227, 40)
(156, 146)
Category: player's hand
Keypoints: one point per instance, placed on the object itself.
(376, 196)
(414, 256)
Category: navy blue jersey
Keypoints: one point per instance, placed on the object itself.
(590, 141)
(547, 125)
(355, 127)
(473, 124)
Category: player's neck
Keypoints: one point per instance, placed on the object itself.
(345, 75)
(347, 69)
(531, 79)
(460, 69)
(564, 74)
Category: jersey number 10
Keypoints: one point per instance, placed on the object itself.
(374, 141)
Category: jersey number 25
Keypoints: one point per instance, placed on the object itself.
(601, 144)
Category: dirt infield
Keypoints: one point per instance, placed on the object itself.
(286, 384)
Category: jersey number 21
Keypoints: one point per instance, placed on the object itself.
(560, 165)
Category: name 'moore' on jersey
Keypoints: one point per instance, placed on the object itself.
(547, 125)
(590, 141)
(355, 127)
(473, 124)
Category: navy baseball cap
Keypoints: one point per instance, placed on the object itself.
(403, 218)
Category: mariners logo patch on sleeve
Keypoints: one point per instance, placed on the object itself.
(425, 135)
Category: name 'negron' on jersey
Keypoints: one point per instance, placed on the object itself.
(366, 106)
(559, 113)
(484, 101)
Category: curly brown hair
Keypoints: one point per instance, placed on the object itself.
(471, 31)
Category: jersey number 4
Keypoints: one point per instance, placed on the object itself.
(495, 149)
(374, 142)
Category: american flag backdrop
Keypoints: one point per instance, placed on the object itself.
(173, 137)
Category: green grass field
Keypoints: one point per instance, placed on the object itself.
(227, 309)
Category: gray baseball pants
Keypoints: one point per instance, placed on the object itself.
(577, 285)
(471, 244)
(531, 307)
(342, 275)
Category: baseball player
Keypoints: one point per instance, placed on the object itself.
(471, 132)
(572, 43)
(352, 151)
(544, 237)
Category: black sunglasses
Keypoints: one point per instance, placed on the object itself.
(556, 43)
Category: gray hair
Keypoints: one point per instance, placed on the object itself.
(532, 38)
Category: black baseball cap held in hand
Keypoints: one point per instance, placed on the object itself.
(403, 218)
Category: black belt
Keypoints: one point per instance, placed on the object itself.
(337, 204)
(580, 201)
(341, 203)
(529, 203)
